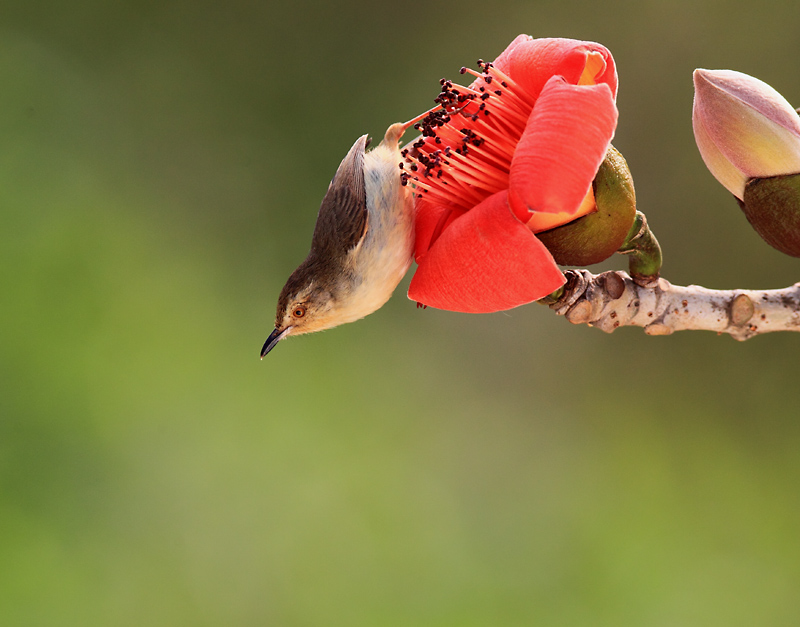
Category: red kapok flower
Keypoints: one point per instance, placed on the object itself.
(512, 154)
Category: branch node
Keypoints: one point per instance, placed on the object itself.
(577, 282)
(742, 309)
(581, 313)
(613, 283)
(647, 281)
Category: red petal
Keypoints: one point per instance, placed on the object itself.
(485, 261)
(501, 62)
(431, 220)
(531, 62)
(564, 142)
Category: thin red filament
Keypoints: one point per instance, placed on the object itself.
(468, 141)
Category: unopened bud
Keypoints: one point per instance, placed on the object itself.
(596, 236)
(743, 128)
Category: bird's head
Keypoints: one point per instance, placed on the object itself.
(310, 301)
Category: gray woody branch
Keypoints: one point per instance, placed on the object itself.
(612, 299)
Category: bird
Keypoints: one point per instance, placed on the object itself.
(362, 246)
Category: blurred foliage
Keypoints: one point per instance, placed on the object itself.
(160, 172)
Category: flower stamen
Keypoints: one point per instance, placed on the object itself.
(468, 139)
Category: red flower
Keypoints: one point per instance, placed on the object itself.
(512, 154)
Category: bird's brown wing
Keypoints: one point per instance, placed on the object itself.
(342, 219)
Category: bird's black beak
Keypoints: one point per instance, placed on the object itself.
(276, 336)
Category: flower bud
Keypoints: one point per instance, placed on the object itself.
(743, 128)
(598, 235)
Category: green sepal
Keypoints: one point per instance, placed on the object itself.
(596, 236)
(553, 297)
(772, 207)
(644, 262)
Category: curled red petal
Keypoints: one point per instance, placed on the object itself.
(531, 62)
(502, 60)
(485, 261)
(431, 219)
(564, 143)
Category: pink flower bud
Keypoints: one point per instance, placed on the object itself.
(743, 128)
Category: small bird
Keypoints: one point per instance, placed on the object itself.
(362, 246)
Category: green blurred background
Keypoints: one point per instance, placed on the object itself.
(161, 167)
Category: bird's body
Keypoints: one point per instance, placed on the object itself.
(382, 258)
(362, 246)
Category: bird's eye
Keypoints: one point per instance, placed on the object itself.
(299, 311)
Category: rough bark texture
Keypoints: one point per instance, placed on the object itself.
(613, 299)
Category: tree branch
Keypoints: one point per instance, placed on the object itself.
(613, 299)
